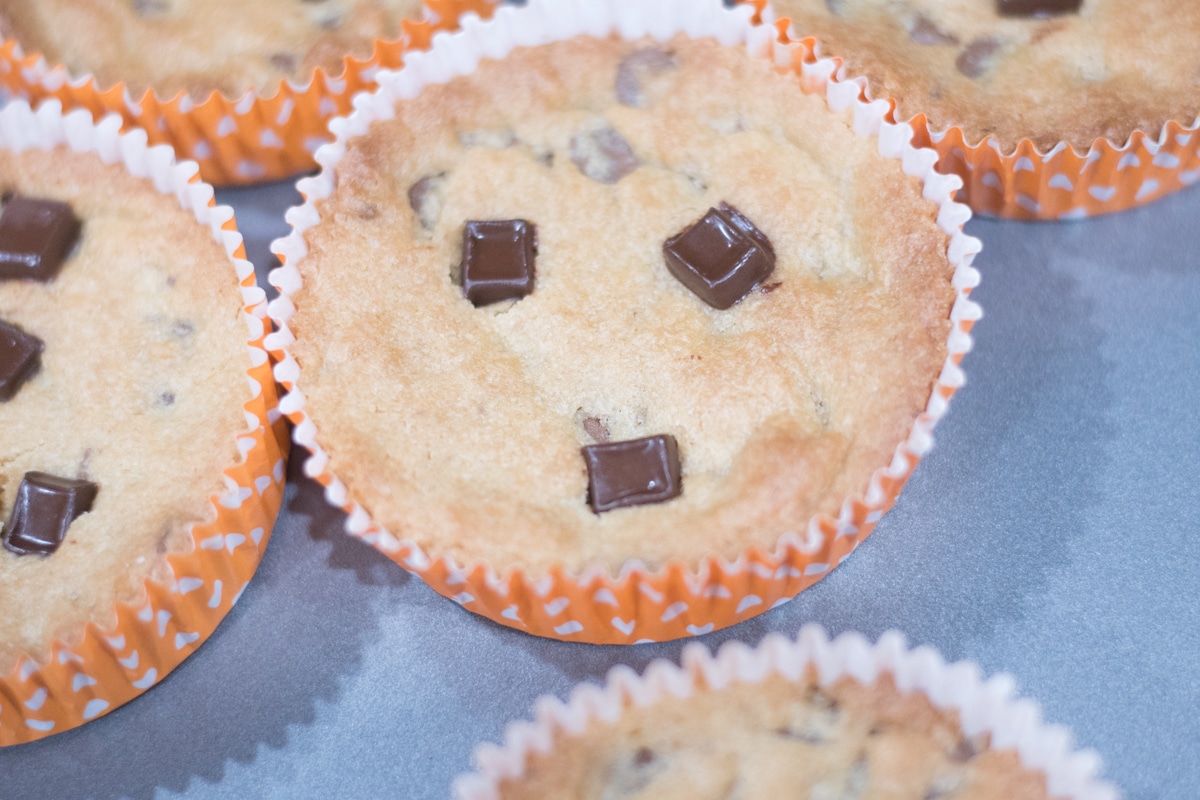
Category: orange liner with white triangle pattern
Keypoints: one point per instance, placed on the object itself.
(81, 681)
(235, 140)
(1061, 183)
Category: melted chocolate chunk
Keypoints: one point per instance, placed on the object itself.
(721, 257)
(44, 509)
(20, 357)
(925, 31)
(35, 237)
(633, 71)
(633, 473)
(978, 56)
(603, 155)
(595, 428)
(498, 260)
(1036, 8)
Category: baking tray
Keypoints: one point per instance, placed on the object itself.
(1053, 533)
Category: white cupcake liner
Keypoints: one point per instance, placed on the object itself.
(983, 706)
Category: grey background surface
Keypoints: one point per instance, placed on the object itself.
(1053, 533)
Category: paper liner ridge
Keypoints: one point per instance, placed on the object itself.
(638, 604)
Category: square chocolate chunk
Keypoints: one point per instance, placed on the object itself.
(720, 258)
(1036, 8)
(632, 473)
(20, 357)
(498, 260)
(35, 238)
(43, 511)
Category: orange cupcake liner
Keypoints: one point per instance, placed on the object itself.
(72, 683)
(1061, 183)
(678, 600)
(235, 140)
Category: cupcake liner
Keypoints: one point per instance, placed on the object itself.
(639, 604)
(1060, 183)
(71, 683)
(235, 140)
(989, 706)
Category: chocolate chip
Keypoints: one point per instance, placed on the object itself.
(925, 31)
(150, 8)
(629, 774)
(166, 399)
(20, 357)
(964, 751)
(498, 260)
(632, 473)
(635, 68)
(285, 62)
(603, 155)
(35, 238)
(44, 509)
(425, 198)
(595, 428)
(978, 56)
(1036, 8)
(767, 288)
(721, 257)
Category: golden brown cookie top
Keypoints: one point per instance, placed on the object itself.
(1112, 67)
(460, 427)
(140, 390)
(201, 46)
(776, 739)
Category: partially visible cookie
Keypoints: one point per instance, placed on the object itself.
(202, 46)
(780, 739)
(139, 393)
(808, 719)
(1043, 70)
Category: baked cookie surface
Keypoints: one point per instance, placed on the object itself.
(1112, 67)
(460, 428)
(201, 46)
(779, 739)
(140, 390)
